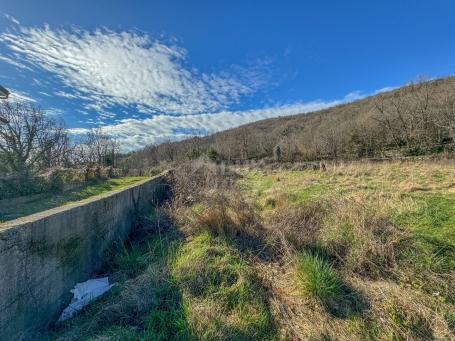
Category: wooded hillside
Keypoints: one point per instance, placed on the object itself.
(416, 119)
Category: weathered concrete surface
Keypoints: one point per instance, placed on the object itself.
(43, 255)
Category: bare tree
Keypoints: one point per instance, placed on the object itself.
(29, 140)
(446, 118)
(97, 148)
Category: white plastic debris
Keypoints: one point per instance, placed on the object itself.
(84, 293)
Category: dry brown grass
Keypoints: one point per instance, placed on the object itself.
(362, 240)
(190, 180)
(209, 202)
(391, 312)
(294, 228)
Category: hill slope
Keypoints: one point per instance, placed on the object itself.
(415, 119)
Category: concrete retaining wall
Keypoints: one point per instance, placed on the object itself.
(43, 255)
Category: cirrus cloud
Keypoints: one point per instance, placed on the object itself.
(105, 69)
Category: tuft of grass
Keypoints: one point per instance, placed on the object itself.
(317, 277)
(297, 227)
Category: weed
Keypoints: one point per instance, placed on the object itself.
(295, 227)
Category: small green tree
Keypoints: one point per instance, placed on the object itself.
(277, 153)
(212, 154)
(193, 154)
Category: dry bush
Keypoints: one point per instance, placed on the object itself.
(295, 227)
(205, 198)
(190, 179)
(362, 240)
(277, 200)
(226, 214)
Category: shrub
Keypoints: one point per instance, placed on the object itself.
(277, 153)
(295, 227)
(13, 187)
(212, 154)
(317, 277)
(191, 179)
(225, 214)
(57, 180)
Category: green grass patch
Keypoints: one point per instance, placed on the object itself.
(433, 223)
(255, 183)
(224, 299)
(308, 193)
(317, 277)
(56, 200)
(433, 242)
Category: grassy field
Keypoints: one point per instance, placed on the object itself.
(55, 200)
(356, 252)
(386, 229)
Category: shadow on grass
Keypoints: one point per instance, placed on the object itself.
(347, 303)
(319, 279)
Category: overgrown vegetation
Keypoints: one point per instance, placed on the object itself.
(181, 282)
(356, 251)
(381, 238)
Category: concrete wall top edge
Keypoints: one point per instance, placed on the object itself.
(43, 214)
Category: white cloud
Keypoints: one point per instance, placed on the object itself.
(385, 89)
(107, 68)
(19, 96)
(136, 133)
(12, 19)
(54, 112)
(14, 62)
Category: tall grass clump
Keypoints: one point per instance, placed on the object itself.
(296, 227)
(362, 240)
(317, 277)
(189, 181)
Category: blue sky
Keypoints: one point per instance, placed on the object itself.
(148, 71)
